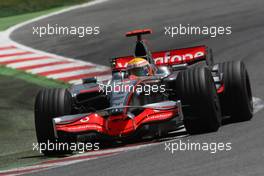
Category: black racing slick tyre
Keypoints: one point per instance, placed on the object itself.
(201, 108)
(236, 99)
(51, 103)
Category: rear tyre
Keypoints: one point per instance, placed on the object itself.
(236, 100)
(195, 88)
(51, 103)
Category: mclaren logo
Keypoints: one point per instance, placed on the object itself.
(85, 119)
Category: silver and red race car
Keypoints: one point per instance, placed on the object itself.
(187, 88)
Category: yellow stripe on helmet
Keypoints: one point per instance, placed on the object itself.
(137, 62)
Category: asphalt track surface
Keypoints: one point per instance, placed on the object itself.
(115, 17)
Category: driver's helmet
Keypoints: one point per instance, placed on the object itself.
(139, 67)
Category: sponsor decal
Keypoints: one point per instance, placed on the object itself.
(81, 128)
(159, 116)
(173, 57)
(170, 59)
(85, 119)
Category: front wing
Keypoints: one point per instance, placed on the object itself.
(118, 125)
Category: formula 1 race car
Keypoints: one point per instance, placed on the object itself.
(185, 87)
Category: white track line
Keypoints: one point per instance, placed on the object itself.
(56, 67)
(19, 57)
(34, 58)
(4, 46)
(33, 63)
(13, 28)
(76, 73)
(8, 47)
(11, 51)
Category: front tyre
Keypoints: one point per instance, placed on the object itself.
(197, 92)
(236, 100)
(51, 103)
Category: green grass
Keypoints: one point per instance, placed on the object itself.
(16, 11)
(17, 7)
(33, 79)
(7, 22)
(18, 88)
(17, 129)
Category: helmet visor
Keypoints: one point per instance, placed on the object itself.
(141, 71)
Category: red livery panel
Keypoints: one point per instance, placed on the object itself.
(117, 125)
(171, 57)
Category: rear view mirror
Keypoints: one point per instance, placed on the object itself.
(89, 80)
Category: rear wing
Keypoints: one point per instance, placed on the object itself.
(169, 58)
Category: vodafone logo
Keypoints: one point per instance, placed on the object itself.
(173, 57)
(168, 58)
